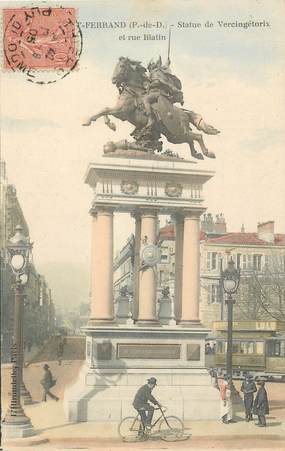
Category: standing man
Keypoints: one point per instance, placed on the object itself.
(226, 402)
(60, 347)
(261, 406)
(48, 382)
(248, 387)
(141, 402)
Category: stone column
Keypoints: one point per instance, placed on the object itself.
(191, 269)
(147, 277)
(102, 306)
(138, 223)
(179, 231)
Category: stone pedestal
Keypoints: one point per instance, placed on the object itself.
(120, 356)
(120, 360)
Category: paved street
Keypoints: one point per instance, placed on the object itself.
(50, 423)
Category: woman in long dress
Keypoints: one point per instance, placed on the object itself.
(226, 413)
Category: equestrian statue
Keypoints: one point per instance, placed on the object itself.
(147, 99)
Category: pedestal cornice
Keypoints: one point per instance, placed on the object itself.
(134, 185)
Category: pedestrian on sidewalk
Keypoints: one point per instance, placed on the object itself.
(226, 404)
(60, 348)
(48, 382)
(248, 388)
(214, 377)
(261, 405)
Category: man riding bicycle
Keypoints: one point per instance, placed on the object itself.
(141, 402)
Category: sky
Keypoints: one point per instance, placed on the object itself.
(233, 76)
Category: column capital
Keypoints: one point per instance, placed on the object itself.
(136, 214)
(189, 214)
(148, 212)
(101, 210)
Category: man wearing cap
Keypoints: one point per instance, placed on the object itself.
(261, 406)
(47, 382)
(248, 387)
(141, 401)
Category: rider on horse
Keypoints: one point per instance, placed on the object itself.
(161, 82)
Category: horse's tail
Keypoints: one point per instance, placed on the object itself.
(197, 120)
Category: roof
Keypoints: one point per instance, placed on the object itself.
(243, 238)
(168, 233)
(238, 238)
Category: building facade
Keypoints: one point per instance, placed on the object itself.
(39, 314)
(259, 255)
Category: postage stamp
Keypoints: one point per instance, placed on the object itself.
(43, 43)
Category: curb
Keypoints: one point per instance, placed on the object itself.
(201, 438)
(27, 441)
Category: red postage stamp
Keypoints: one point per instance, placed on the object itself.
(40, 38)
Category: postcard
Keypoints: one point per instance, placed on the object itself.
(142, 224)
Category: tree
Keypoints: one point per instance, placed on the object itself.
(261, 295)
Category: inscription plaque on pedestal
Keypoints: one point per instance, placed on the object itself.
(148, 351)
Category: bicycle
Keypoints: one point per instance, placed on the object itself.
(170, 428)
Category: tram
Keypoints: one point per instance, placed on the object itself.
(258, 349)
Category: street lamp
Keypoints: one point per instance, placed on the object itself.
(230, 280)
(16, 422)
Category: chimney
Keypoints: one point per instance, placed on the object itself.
(242, 229)
(220, 224)
(265, 231)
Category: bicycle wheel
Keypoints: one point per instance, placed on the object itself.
(131, 429)
(171, 429)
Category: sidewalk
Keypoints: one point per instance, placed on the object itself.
(49, 421)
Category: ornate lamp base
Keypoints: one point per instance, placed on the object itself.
(17, 427)
(26, 395)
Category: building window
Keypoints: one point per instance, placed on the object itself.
(213, 294)
(266, 261)
(239, 256)
(257, 262)
(244, 262)
(164, 255)
(249, 261)
(212, 260)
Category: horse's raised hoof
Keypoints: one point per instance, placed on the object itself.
(112, 126)
(199, 156)
(211, 155)
(86, 124)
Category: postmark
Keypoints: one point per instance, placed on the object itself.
(43, 43)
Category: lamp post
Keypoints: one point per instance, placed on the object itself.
(16, 422)
(230, 280)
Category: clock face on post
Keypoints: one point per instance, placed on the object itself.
(150, 254)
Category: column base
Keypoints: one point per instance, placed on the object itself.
(148, 322)
(189, 323)
(101, 321)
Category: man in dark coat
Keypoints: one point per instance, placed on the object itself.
(141, 402)
(261, 406)
(47, 382)
(248, 387)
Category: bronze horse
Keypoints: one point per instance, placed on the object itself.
(132, 83)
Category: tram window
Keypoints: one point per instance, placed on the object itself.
(276, 349)
(259, 347)
(221, 347)
(247, 347)
(235, 348)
